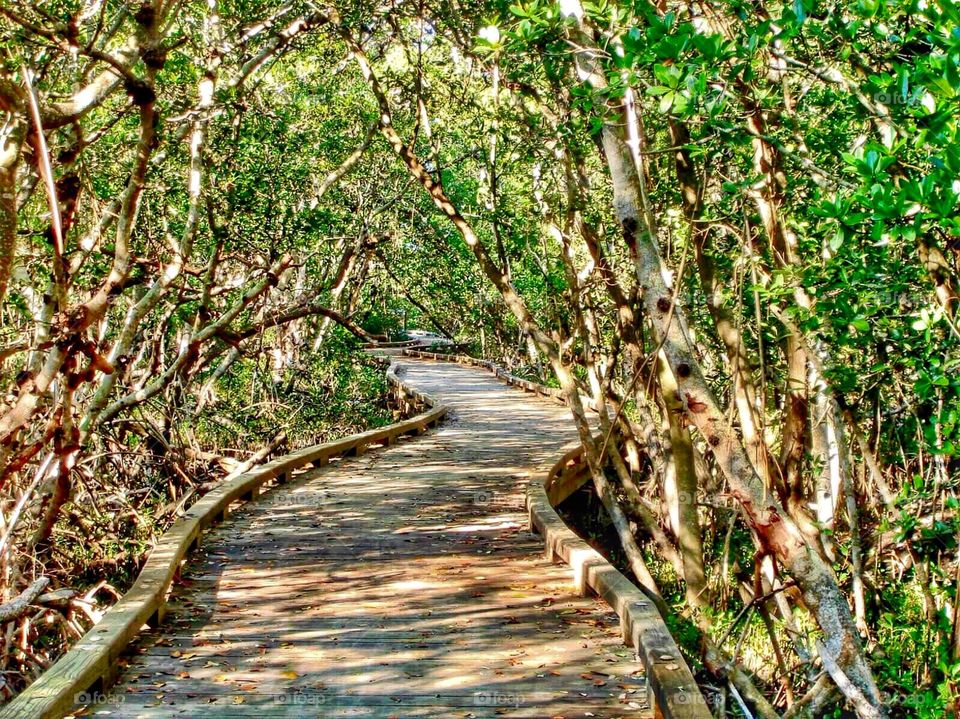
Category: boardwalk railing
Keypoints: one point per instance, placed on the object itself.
(674, 693)
(398, 344)
(90, 666)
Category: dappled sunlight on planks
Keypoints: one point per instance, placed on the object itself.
(403, 583)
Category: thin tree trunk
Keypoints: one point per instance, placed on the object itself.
(680, 486)
(12, 134)
(741, 374)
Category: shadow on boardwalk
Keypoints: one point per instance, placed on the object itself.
(402, 583)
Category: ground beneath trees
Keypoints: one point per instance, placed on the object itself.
(403, 583)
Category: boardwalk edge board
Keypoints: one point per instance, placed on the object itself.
(91, 665)
(674, 692)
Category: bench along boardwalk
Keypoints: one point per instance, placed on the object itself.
(401, 583)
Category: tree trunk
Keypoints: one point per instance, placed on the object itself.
(11, 141)
(774, 528)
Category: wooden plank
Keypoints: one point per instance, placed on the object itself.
(92, 660)
(676, 695)
(402, 583)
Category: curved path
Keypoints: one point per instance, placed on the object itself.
(402, 583)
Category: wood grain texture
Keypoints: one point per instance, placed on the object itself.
(400, 583)
(91, 664)
(674, 693)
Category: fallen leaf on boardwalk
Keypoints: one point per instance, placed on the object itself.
(289, 674)
(238, 700)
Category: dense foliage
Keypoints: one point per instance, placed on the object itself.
(734, 224)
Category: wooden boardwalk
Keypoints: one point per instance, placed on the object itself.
(402, 583)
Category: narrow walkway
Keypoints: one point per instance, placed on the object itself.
(402, 583)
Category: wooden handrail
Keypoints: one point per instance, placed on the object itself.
(90, 666)
(674, 693)
(396, 344)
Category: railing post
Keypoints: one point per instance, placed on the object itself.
(156, 619)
